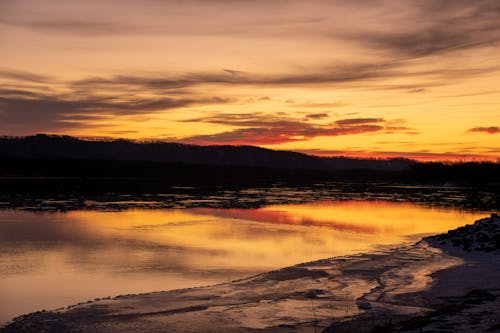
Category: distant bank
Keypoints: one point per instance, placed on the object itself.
(49, 156)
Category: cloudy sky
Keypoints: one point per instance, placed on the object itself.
(359, 78)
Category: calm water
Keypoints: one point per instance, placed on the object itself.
(50, 260)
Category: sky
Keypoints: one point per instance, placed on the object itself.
(364, 78)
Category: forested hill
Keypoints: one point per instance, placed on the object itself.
(43, 146)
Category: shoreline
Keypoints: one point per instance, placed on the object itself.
(360, 292)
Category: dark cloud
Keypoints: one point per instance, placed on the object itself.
(260, 129)
(35, 109)
(346, 73)
(361, 75)
(32, 111)
(20, 93)
(438, 27)
(123, 96)
(489, 130)
(276, 135)
(317, 116)
(423, 28)
(24, 76)
(427, 42)
(416, 90)
(355, 121)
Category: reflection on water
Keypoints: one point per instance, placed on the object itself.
(49, 260)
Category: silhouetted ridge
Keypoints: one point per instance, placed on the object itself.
(66, 147)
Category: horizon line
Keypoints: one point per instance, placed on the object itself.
(359, 155)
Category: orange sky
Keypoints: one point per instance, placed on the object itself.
(360, 78)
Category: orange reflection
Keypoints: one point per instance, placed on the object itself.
(372, 217)
(272, 236)
(110, 253)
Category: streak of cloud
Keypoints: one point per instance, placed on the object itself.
(356, 121)
(34, 111)
(265, 129)
(488, 130)
(317, 116)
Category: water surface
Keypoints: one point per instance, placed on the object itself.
(53, 259)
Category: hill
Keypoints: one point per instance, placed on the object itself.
(53, 146)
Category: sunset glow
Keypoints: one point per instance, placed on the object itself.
(109, 253)
(380, 79)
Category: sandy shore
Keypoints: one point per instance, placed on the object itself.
(433, 286)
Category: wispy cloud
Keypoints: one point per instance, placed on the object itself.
(341, 73)
(23, 76)
(266, 129)
(81, 102)
(425, 27)
(317, 116)
(488, 130)
(36, 111)
(357, 121)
